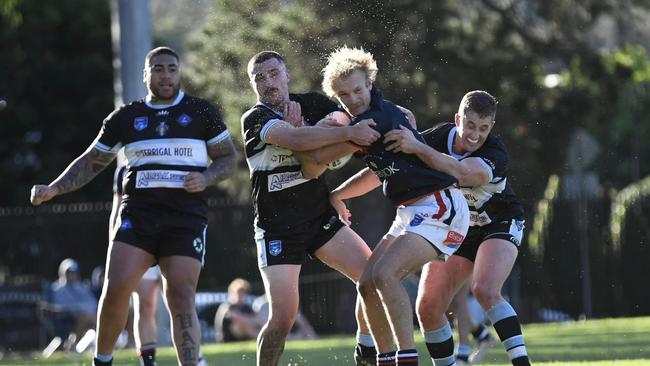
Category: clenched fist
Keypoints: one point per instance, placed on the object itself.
(42, 193)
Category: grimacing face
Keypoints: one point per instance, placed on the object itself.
(270, 80)
(353, 92)
(472, 130)
(162, 76)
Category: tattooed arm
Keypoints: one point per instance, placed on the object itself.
(223, 157)
(81, 171)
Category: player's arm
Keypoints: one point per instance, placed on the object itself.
(470, 172)
(223, 156)
(409, 115)
(357, 185)
(81, 171)
(314, 162)
(306, 138)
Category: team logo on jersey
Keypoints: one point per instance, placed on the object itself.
(162, 128)
(275, 247)
(184, 120)
(162, 113)
(140, 123)
(198, 244)
(126, 224)
(417, 220)
(519, 224)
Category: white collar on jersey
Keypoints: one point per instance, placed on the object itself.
(281, 114)
(450, 145)
(179, 97)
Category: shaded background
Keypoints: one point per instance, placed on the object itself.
(571, 78)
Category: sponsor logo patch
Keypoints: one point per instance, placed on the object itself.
(454, 239)
(280, 181)
(160, 179)
(275, 247)
(140, 123)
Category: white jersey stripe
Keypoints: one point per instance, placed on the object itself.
(220, 137)
(271, 157)
(265, 130)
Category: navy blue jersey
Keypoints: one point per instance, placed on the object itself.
(404, 176)
(162, 144)
(494, 201)
(282, 198)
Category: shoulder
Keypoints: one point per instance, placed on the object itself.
(200, 104)
(126, 110)
(257, 114)
(310, 98)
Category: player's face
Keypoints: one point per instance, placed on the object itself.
(472, 131)
(162, 75)
(270, 80)
(353, 92)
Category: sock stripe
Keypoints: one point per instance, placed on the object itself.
(500, 311)
(438, 335)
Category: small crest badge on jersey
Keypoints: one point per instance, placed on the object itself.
(162, 128)
(126, 224)
(184, 120)
(140, 123)
(275, 247)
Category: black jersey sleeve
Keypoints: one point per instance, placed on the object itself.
(109, 138)
(252, 122)
(436, 137)
(495, 155)
(215, 128)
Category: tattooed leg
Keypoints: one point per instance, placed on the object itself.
(180, 275)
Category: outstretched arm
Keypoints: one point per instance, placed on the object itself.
(81, 171)
(223, 157)
(313, 137)
(357, 185)
(314, 162)
(470, 172)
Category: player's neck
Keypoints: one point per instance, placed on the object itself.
(456, 147)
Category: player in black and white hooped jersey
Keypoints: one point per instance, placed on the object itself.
(479, 160)
(175, 146)
(293, 216)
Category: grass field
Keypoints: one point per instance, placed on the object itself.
(618, 342)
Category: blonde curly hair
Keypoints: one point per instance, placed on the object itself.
(343, 62)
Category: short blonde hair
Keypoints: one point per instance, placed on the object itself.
(239, 284)
(343, 62)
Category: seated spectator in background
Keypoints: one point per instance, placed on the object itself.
(235, 320)
(73, 300)
(301, 329)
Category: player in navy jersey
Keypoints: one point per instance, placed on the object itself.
(433, 212)
(469, 151)
(293, 216)
(175, 146)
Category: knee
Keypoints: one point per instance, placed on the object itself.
(486, 295)
(366, 287)
(383, 279)
(280, 322)
(428, 310)
(180, 298)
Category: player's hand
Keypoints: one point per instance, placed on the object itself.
(195, 182)
(42, 193)
(293, 114)
(363, 134)
(401, 140)
(341, 209)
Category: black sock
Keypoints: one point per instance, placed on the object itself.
(147, 356)
(365, 351)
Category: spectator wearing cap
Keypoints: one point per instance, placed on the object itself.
(73, 298)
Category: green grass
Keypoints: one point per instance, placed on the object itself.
(606, 342)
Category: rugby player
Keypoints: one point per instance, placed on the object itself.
(433, 212)
(467, 150)
(293, 216)
(175, 146)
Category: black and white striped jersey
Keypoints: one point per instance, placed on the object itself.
(282, 198)
(163, 143)
(494, 201)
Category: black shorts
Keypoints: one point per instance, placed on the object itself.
(512, 231)
(161, 233)
(296, 246)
